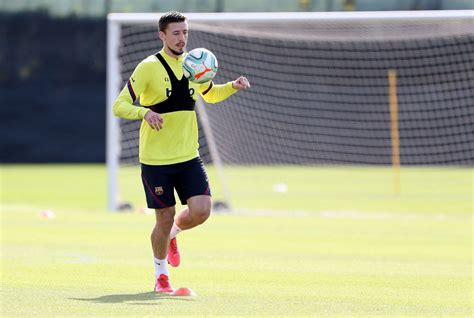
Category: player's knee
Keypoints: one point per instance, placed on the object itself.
(199, 208)
(201, 213)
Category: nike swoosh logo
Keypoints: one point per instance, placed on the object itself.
(206, 70)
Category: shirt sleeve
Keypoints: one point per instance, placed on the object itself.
(212, 93)
(123, 106)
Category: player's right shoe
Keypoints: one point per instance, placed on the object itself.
(173, 253)
(162, 284)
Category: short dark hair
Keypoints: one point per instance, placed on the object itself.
(170, 17)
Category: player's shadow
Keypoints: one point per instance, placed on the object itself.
(148, 298)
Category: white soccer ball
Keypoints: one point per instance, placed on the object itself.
(200, 65)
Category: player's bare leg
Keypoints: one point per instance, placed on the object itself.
(159, 243)
(197, 212)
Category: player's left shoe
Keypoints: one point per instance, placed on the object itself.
(173, 253)
(162, 285)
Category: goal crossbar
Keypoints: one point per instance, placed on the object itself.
(244, 17)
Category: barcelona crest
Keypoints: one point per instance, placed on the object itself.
(159, 190)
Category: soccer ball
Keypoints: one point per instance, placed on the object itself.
(200, 65)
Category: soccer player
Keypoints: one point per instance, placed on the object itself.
(168, 148)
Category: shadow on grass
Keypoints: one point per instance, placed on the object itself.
(133, 299)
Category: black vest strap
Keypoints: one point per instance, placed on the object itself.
(167, 67)
(179, 98)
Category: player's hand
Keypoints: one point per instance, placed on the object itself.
(241, 83)
(153, 119)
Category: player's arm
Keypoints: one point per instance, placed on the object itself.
(213, 93)
(123, 106)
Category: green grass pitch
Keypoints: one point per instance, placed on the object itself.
(319, 242)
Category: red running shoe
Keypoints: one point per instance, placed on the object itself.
(173, 253)
(163, 285)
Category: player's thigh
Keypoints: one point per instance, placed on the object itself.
(192, 181)
(158, 186)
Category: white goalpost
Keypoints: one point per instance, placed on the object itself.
(322, 91)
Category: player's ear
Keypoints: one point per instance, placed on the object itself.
(162, 35)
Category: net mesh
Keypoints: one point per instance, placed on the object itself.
(320, 91)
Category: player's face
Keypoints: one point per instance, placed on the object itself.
(175, 37)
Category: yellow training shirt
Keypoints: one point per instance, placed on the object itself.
(150, 83)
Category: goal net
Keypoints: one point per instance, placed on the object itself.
(334, 97)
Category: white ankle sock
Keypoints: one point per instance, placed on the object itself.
(174, 231)
(161, 267)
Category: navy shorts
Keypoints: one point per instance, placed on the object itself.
(189, 178)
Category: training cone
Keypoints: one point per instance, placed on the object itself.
(183, 291)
